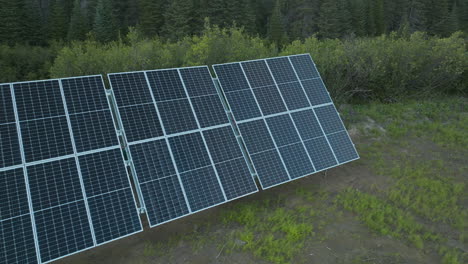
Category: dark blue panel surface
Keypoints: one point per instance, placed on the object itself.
(269, 168)
(177, 116)
(166, 85)
(235, 178)
(140, 122)
(39, 99)
(189, 152)
(130, 88)
(269, 100)
(152, 160)
(243, 105)
(93, 130)
(63, 230)
(13, 195)
(256, 136)
(46, 138)
(304, 66)
(257, 73)
(282, 70)
(54, 183)
(320, 153)
(209, 110)
(222, 144)
(307, 124)
(296, 160)
(329, 119)
(282, 129)
(7, 114)
(114, 215)
(17, 239)
(9, 145)
(316, 92)
(198, 81)
(202, 188)
(343, 147)
(231, 76)
(164, 200)
(293, 95)
(84, 94)
(103, 172)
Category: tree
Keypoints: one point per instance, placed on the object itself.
(104, 26)
(152, 16)
(78, 23)
(180, 20)
(58, 22)
(358, 17)
(10, 29)
(379, 17)
(276, 31)
(452, 24)
(32, 23)
(330, 21)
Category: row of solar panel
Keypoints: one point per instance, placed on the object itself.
(63, 183)
(184, 151)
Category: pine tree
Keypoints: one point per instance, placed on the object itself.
(152, 16)
(180, 20)
(276, 31)
(344, 15)
(78, 23)
(10, 25)
(330, 21)
(358, 17)
(58, 22)
(32, 23)
(379, 17)
(452, 21)
(104, 26)
(247, 19)
(370, 19)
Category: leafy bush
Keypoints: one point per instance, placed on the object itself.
(24, 62)
(388, 68)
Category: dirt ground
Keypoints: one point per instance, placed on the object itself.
(339, 235)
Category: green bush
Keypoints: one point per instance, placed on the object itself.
(214, 46)
(24, 62)
(388, 68)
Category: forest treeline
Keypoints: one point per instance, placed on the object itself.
(385, 68)
(38, 22)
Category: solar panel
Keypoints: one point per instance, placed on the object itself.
(70, 191)
(285, 115)
(185, 154)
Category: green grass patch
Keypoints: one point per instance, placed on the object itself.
(384, 218)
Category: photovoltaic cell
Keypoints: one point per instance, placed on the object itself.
(297, 122)
(16, 229)
(180, 172)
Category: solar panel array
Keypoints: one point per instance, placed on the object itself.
(286, 117)
(185, 153)
(189, 144)
(64, 184)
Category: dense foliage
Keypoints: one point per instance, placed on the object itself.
(383, 68)
(40, 21)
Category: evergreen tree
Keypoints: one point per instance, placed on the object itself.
(152, 16)
(358, 17)
(330, 21)
(379, 17)
(276, 31)
(437, 14)
(32, 23)
(344, 14)
(10, 25)
(247, 19)
(78, 23)
(104, 26)
(58, 22)
(452, 21)
(370, 19)
(180, 20)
